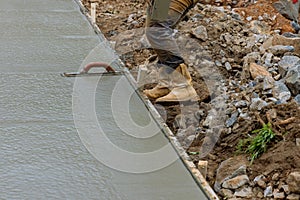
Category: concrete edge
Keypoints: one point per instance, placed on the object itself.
(168, 133)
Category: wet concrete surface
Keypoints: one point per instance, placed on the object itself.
(58, 143)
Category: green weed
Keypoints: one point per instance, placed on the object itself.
(257, 145)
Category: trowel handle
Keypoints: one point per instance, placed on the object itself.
(97, 64)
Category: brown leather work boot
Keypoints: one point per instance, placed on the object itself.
(182, 89)
(163, 86)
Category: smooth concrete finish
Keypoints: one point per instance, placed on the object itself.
(50, 147)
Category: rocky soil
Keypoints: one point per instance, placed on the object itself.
(245, 62)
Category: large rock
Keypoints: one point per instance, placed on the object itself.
(229, 169)
(292, 80)
(293, 182)
(286, 63)
(282, 40)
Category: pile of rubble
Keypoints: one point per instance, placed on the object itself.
(262, 70)
(232, 182)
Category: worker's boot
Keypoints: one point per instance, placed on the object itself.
(182, 88)
(163, 87)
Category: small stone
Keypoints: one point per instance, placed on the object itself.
(281, 91)
(293, 197)
(297, 98)
(257, 70)
(268, 59)
(298, 142)
(202, 167)
(228, 169)
(286, 63)
(286, 189)
(200, 32)
(268, 83)
(287, 41)
(236, 182)
(232, 119)
(241, 104)
(292, 79)
(249, 18)
(258, 104)
(246, 192)
(268, 192)
(275, 177)
(262, 184)
(226, 193)
(279, 195)
(228, 66)
(293, 182)
(277, 77)
(218, 63)
(260, 195)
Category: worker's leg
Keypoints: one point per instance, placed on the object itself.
(160, 36)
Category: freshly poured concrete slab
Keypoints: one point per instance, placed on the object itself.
(52, 149)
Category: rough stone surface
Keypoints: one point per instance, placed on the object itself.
(282, 40)
(230, 168)
(292, 79)
(232, 119)
(280, 49)
(235, 182)
(200, 32)
(297, 99)
(257, 70)
(258, 104)
(226, 193)
(268, 192)
(281, 92)
(262, 184)
(245, 192)
(279, 195)
(286, 63)
(286, 189)
(293, 197)
(202, 167)
(293, 182)
(298, 142)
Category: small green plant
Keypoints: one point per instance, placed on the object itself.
(257, 145)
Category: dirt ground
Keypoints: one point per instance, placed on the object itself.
(282, 157)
